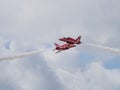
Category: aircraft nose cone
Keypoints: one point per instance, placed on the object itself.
(61, 39)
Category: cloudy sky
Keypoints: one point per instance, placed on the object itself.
(28, 25)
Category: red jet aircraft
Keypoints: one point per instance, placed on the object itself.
(70, 40)
(63, 47)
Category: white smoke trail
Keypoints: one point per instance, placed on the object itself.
(21, 55)
(12, 57)
(113, 50)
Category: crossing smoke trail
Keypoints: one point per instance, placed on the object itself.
(113, 50)
(12, 57)
(21, 55)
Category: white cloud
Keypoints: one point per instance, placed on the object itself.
(30, 25)
(95, 77)
(29, 75)
(34, 19)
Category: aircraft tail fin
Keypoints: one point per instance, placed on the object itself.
(78, 40)
(56, 45)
